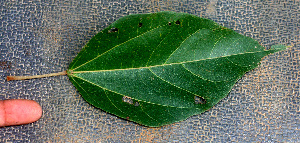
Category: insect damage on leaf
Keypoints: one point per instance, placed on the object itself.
(199, 100)
(160, 68)
(127, 99)
(140, 24)
(114, 29)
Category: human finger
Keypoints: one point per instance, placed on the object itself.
(18, 112)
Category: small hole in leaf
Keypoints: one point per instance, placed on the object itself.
(140, 24)
(199, 100)
(114, 29)
(127, 100)
(177, 22)
(170, 23)
(136, 104)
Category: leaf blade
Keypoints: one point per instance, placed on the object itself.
(150, 68)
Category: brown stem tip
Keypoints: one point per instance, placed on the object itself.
(9, 78)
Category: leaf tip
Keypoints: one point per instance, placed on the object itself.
(279, 47)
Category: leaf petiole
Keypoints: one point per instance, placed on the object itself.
(35, 76)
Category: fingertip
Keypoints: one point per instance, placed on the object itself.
(19, 111)
(35, 111)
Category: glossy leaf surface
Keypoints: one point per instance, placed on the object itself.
(160, 68)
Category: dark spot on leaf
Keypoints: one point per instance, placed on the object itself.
(114, 29)
(127, 100)
(136, 104)
(199, 100)
(177, 22)
(170, 23)
(140, 24)
(127, 118)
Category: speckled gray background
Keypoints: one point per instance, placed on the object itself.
(38, 37)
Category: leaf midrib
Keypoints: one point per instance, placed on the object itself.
(146, 67)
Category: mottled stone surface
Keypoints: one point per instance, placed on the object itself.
(38, 37)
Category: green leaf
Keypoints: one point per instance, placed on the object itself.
(157, 69)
